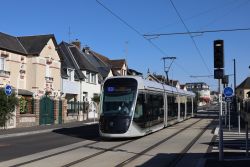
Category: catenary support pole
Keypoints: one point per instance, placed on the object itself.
(235, 100)
(221, 156)
(247, 139)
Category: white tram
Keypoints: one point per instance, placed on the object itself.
(132, 106)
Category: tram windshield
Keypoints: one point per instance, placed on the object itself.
(119, 95)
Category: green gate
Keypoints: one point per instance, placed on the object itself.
(46, 110)
(60, 112)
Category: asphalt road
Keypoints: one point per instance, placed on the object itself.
(82, 146)
(14, 147)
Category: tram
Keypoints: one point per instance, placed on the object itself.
(132, 106)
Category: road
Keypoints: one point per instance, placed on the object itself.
(185, 143)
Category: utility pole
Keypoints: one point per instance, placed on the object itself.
(235, 97)
(167, 68)
(219, 74)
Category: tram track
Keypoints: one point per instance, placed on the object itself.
(104, 150)
(132, 158)
(180, 156)
(126, 162)
(54, 154)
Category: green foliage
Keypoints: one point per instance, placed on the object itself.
(23, 105)
(7, 107)
(96, 99)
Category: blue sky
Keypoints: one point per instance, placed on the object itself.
(96, 27)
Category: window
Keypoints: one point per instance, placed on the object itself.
(47, 72)
(189, 106)
(1, 63)
(71, 74)
(149, 110)
(93, 78)
(172, 107)
(88, 77)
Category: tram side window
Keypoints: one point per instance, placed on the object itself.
(140, 116)
(189, 106)
(182, 105)
(155, 108)
(149, 111)
(172, 107)
(139, 107)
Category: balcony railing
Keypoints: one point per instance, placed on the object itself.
(4, 73)
(49, 79)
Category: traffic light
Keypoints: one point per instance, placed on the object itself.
(225, 79)
(218, 73)
(218, 54)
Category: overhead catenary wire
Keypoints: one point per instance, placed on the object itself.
(197, 15)
(193, 41)
(134, 29)
(196, 32)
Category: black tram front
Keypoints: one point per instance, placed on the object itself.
(117, 105)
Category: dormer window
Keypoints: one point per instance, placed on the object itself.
(4, 54)
(88, 76)
(93, 78)
(71, 74)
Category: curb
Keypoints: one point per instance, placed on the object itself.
(27, 133)
(216, 131)
(37, 131)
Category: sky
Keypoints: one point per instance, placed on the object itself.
(117, 30)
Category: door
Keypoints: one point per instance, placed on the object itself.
(60, 112)
(46, 110)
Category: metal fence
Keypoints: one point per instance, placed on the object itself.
(76, 107)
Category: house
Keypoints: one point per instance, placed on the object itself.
(134, 72)
(43, 65)
(163, 79)
(118, 66)
(183, 86)
(31, 65)
(79, 75)
(243, 89)
(152, 77)
(104, 69)
(202, 91)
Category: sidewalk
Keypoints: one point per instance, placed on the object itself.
(14, 132)
(234, 150)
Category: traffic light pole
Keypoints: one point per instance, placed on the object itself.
(221, 156)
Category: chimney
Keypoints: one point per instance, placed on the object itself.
(77, 43)
(86, 49)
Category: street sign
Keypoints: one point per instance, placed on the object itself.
(228, 92)
(8, 90)
(220, 98)
(228, 99)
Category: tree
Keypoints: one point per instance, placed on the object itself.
(96, 99)
(7, 107)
